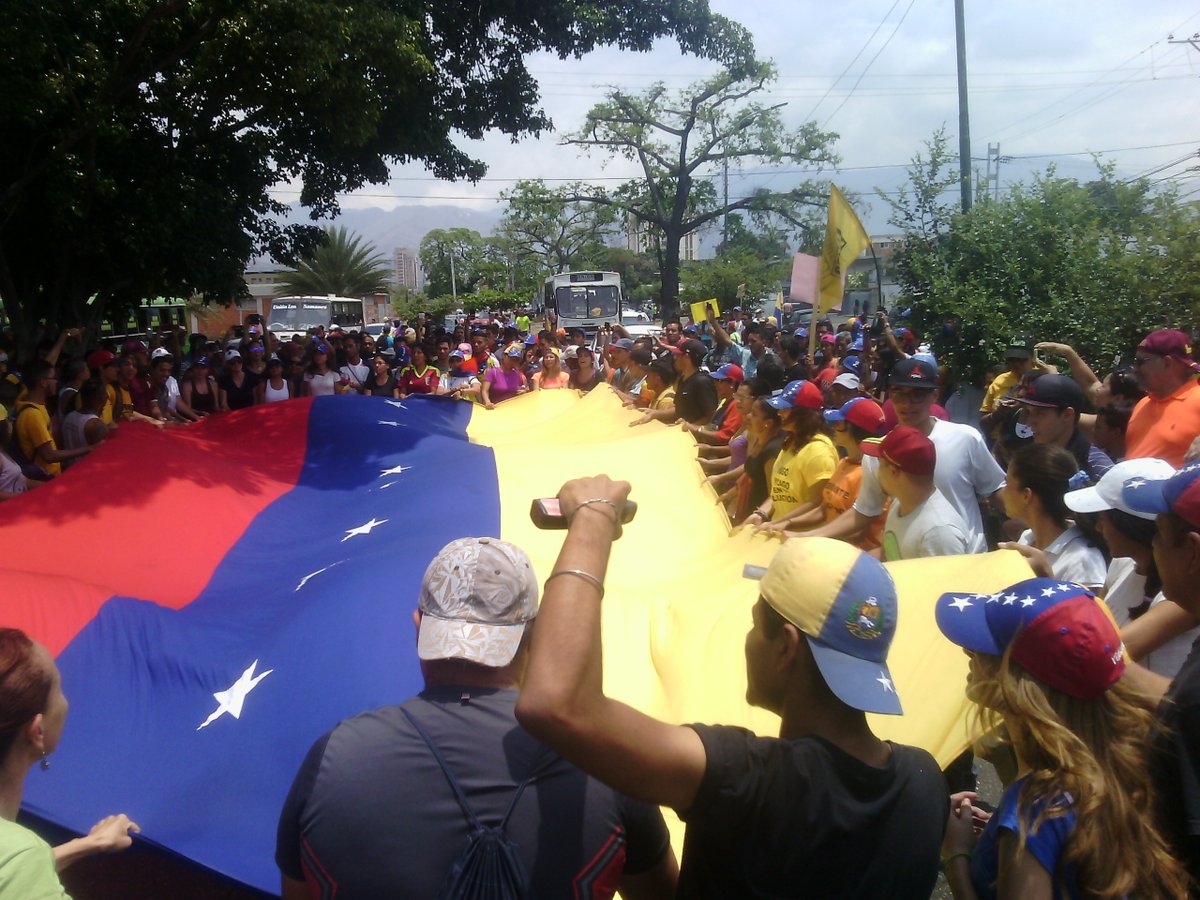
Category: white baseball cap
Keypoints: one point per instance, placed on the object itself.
(848, 380)
(1106, 493)
(476, 598)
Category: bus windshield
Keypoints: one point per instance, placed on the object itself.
(587, 301)
(298, 315)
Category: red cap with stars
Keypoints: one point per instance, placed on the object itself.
(1059, 632)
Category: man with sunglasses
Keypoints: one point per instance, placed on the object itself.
(1166, 421)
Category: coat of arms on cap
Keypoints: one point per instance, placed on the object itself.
(866, 620)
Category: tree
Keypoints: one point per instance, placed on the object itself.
(1095, 265)
(341, 265)
(678, 140)
(735, 278)
(563, 234)
(143, 138)
(438, 247)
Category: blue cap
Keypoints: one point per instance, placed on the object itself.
(691, 329)
(1179, 494)
(852, 363)
(623, 344)
(848, 616)
(530, 339)
(801, 332)
(857, 344)
(321, 348)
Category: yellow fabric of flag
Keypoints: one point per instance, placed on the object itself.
(845, 239)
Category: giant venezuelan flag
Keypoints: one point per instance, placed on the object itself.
(219, 596)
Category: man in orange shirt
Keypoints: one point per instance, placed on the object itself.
(1166, 421)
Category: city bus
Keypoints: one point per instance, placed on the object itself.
(586, 300)
(298, 315)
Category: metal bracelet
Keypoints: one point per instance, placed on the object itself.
(586, 576)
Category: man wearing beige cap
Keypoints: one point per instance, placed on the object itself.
(384, 804)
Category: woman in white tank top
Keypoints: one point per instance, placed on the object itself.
(274, 386)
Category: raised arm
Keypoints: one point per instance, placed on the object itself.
(562, 702)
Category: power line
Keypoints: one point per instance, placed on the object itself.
(1085, 87)
(824, 75)
(860, 52)
(907, 9)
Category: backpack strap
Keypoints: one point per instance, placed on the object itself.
(476, 825)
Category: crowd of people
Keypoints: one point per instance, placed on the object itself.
(863, 451)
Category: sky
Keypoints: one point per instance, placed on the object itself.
(1050, 82)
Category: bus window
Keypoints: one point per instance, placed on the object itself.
(587, 302)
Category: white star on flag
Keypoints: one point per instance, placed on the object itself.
(398, 403)
(1012, 596)
(305, 579)
(1009, 598)
(886, 682)
(992, 598)
(393, 424)
(394, 470)
(961, 603)
(231, 701)
(365, 528)
(1028, 601)
(1048, 592)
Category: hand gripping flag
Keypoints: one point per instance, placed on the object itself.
(845, 239)
(219, 596)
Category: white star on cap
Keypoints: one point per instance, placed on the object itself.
(365, 528)
(1048, 592)
(1064, 587)
(394, 470)
(992, 598)
(1028, 601)
(886, 682)
(961, 603)
(1135, 483)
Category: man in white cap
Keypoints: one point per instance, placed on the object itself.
(379, 807)
(827, 808)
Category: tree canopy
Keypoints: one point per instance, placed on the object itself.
(562, 234)
(340, 265)
(1092, 264)
(145, 141)
(677, 140)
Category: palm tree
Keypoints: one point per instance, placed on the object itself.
(342, 265)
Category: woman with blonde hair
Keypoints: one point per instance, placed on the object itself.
(1046, 662)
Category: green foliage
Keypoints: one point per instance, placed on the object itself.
(638, 271)
(677, 139)
(144, 140)
(722, 277)
(1095, 265)
(342, 265)
(465, 246)
(561, 234)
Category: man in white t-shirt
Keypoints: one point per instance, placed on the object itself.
(921, 522)
(355, 370)
(965, 470)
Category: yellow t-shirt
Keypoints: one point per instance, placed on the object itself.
(33, 432)
(1000, 387)
(110, 404)
(797, 471)
(666, 398)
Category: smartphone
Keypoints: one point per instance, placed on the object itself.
(547, 513)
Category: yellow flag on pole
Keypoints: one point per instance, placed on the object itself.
(845, 239)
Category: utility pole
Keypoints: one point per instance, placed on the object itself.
(964, 119)
(725, 215)
(992, 188)
(453, 279)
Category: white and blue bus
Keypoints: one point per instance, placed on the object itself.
(587, 300)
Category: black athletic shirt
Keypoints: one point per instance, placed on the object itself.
(370, 814)
(802, 818)
(1175, 764)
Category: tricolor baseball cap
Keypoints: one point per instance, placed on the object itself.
(1108, 492)
(862, 412)
(476, 598)
(730, 372)
(515, 349)
(1059, 633)
(1179, 494)
(802, 394)
(905, 448)
(848, 616)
